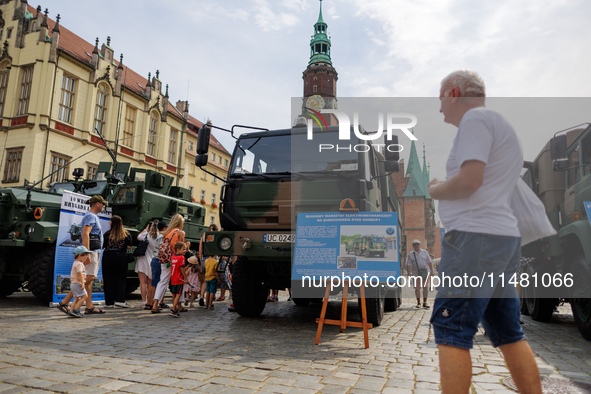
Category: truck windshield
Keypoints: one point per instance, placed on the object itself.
(273, 155)
(378, 239)
(89, 188)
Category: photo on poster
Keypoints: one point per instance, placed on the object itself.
(369, 243)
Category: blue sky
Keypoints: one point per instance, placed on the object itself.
(241, 61)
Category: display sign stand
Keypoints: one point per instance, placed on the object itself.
(347, 205)
(343, 323)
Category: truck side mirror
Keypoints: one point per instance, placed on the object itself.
(560, 164)
(558, 147)
(201, 160)
(203, 140)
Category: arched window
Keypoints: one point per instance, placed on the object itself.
(153, 133)
(100, 114)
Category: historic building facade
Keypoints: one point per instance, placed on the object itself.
(56, 89)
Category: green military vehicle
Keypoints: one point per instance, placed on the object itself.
(267, 186)
(369, 245)
(29, 220)
(561, 177)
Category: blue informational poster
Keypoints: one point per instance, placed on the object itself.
(69, 236)
(587, 205)
(334, 247)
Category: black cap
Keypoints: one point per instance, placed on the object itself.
(162, 225)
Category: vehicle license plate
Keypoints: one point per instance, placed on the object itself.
(279, 238)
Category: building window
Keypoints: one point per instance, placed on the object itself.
(203, 175)
(314, 88)
(219, 159)
(12, 168)
(213, 197)
(202, 195)
(172, 146)
(212, 219)
(59, 167)
(3, 83)
(226, 163)
(213, 178)
(192, 190)
(152, 134)
(190, 146)
(23, 101)
(91, 171)
(213, 157)
(129, 127)
(64, 111)
(100, 113)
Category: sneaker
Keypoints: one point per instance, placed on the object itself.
(122, 305)
(201, 302)
(76, 313)
(418, 305)
(425, 305)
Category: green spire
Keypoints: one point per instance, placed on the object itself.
(416, 183)
(425, 174)
(320, 43)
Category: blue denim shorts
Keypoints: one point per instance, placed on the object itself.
(156, 270)
(485, 264)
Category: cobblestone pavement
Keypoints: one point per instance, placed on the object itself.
(132, 350)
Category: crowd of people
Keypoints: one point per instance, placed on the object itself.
(165, 260)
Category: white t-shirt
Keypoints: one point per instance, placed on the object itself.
(486, 136)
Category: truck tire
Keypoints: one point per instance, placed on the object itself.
(41, 274)
(540, 309)
(8, 286)
(392, 302)
(249, 292)
(580, 303)
(375, 310)
(302, 301)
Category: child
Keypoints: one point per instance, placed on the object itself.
(192, 287)
(177, 277)
(211, 280)
(77, 278)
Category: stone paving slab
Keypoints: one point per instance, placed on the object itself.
(134, 351)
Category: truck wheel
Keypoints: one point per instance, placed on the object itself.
(391, 303)
(8, 286)
(41, 274)
(580, 302)
(540, 309)
(249, 292)
(301, 301)
(375, 310)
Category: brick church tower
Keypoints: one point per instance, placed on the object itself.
(417, 209)
(320, 77)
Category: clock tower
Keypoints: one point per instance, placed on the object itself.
(320, 77)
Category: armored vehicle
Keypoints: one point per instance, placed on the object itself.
(369, 245)
(273, 176)
(29, 220)
(561, 177)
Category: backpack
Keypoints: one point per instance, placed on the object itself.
(141, 248)
(165, 251)
(222, 266)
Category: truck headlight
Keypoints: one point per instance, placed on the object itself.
(225, 243)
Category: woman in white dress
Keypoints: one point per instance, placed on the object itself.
(142, 264)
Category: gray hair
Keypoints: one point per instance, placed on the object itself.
(468, 82)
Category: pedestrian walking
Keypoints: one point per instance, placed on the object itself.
(482, 238)
(171, 236)
(420, 267)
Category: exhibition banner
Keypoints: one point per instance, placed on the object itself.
(69, 237)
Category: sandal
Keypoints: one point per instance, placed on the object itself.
(156, 310)
(221, 298)
(183, 309)
(147, 307)
(94, 311)
(63, 308)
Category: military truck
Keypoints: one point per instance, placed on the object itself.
(267, 186)
(560, 176)
(369, 245)
(29, 220)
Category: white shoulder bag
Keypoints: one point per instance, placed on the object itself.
(531, 216)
